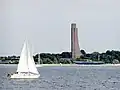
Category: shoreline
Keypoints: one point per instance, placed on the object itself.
(79, 65)
(50, 65)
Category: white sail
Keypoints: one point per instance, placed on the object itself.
(23, 66)
(26, 62)
(31, 63)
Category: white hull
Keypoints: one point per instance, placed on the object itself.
(22, 75)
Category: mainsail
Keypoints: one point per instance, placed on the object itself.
(26, 62)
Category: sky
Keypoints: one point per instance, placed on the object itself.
(46, 24)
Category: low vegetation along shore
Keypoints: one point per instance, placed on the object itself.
(108, 57)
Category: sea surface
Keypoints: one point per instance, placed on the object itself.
(64, 78)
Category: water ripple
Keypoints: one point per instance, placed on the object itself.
(65, 78)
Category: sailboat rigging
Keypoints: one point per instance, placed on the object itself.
(26, 66)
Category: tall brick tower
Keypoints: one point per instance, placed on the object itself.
(75, 49)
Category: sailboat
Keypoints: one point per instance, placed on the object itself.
(26, 66)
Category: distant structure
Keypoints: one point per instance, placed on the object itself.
(75, 49)
(39, 59)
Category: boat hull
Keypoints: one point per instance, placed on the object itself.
(27, 76)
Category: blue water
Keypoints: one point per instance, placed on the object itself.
(65, 78)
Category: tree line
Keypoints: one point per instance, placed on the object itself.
(65, 57)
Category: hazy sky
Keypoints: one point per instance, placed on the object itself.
(46, 23)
